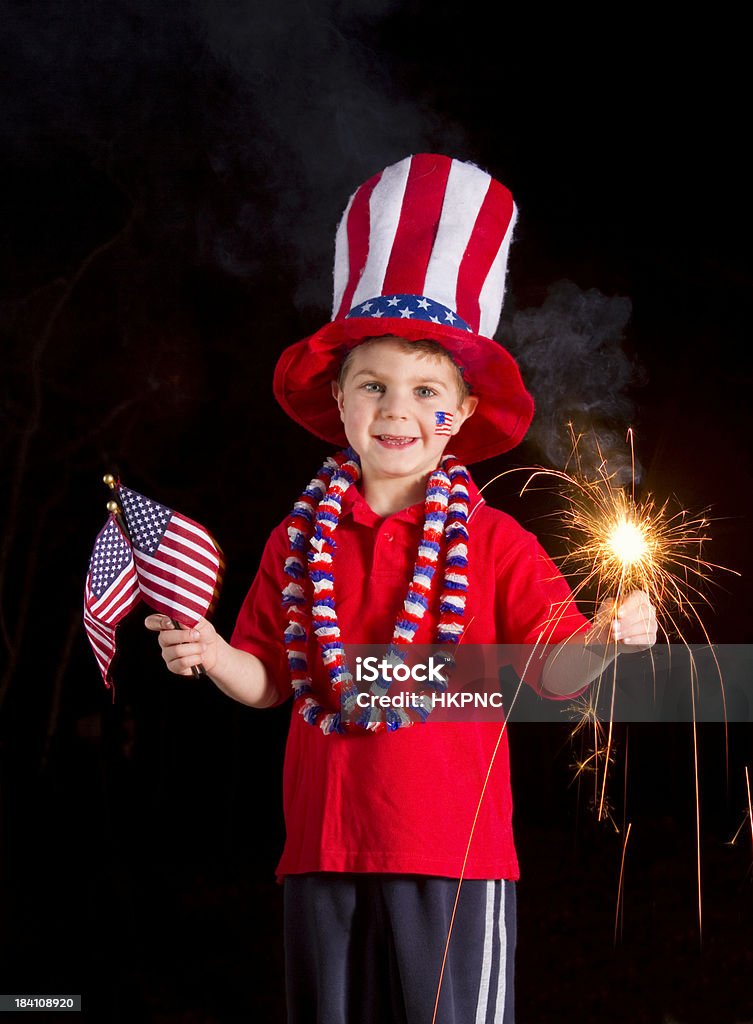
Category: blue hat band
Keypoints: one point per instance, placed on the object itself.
(408, 307)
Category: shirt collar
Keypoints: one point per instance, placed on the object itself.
(355, 504)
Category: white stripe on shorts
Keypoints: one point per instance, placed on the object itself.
(493, 981)
(502, 962)
(486, 963)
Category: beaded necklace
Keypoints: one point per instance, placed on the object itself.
(311, 527)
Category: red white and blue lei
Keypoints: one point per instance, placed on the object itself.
(311, 529)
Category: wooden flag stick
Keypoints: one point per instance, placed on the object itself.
(114, 509)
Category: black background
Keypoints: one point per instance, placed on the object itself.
(173, 176)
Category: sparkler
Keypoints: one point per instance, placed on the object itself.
(620, 888)
(617, 544)
(750, 805)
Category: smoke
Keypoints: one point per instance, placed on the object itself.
(239, 129)
(572, 358)
(236, 132)
(323, 112)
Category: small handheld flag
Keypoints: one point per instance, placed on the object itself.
(110, 591)
(178, 564)
(147, 550)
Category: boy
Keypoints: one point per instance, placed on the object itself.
(379, 818)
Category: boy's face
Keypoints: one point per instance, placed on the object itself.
(388, 404)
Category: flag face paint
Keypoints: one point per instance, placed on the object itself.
(443, 423)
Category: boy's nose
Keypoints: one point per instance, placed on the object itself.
(394, 407)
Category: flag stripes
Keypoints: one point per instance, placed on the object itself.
(443, 423)
(169, 598)
(110, 591)
(184, 550)
(170, 570)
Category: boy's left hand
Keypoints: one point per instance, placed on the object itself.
(631, 624)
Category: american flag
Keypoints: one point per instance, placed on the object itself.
(110, 591)
(179, 565)
(443, 423)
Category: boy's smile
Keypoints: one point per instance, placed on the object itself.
(392, 441)
(388, 404)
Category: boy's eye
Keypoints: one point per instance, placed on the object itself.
(425, 392)
(372, 387)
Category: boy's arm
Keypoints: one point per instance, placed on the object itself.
(237, 673)
(616, 629)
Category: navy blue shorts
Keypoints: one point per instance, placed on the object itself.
(367, 949)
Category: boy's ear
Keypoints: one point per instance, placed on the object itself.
(466, 408)
(337, 394)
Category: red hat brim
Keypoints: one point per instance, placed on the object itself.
(305, 371)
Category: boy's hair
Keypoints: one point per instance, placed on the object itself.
(422, 348)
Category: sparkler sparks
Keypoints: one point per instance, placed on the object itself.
(617, 544)
(628, 543)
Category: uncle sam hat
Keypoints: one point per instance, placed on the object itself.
(420, 253)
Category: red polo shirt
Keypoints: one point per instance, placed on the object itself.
(404, 802)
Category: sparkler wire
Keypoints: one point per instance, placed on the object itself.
(620, 893)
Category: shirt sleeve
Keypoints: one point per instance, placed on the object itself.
(259, 627)
(535, 609)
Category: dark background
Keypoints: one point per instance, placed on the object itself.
(173, 176)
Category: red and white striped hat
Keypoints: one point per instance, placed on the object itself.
(420, 253)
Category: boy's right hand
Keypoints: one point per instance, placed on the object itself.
(183, 648)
